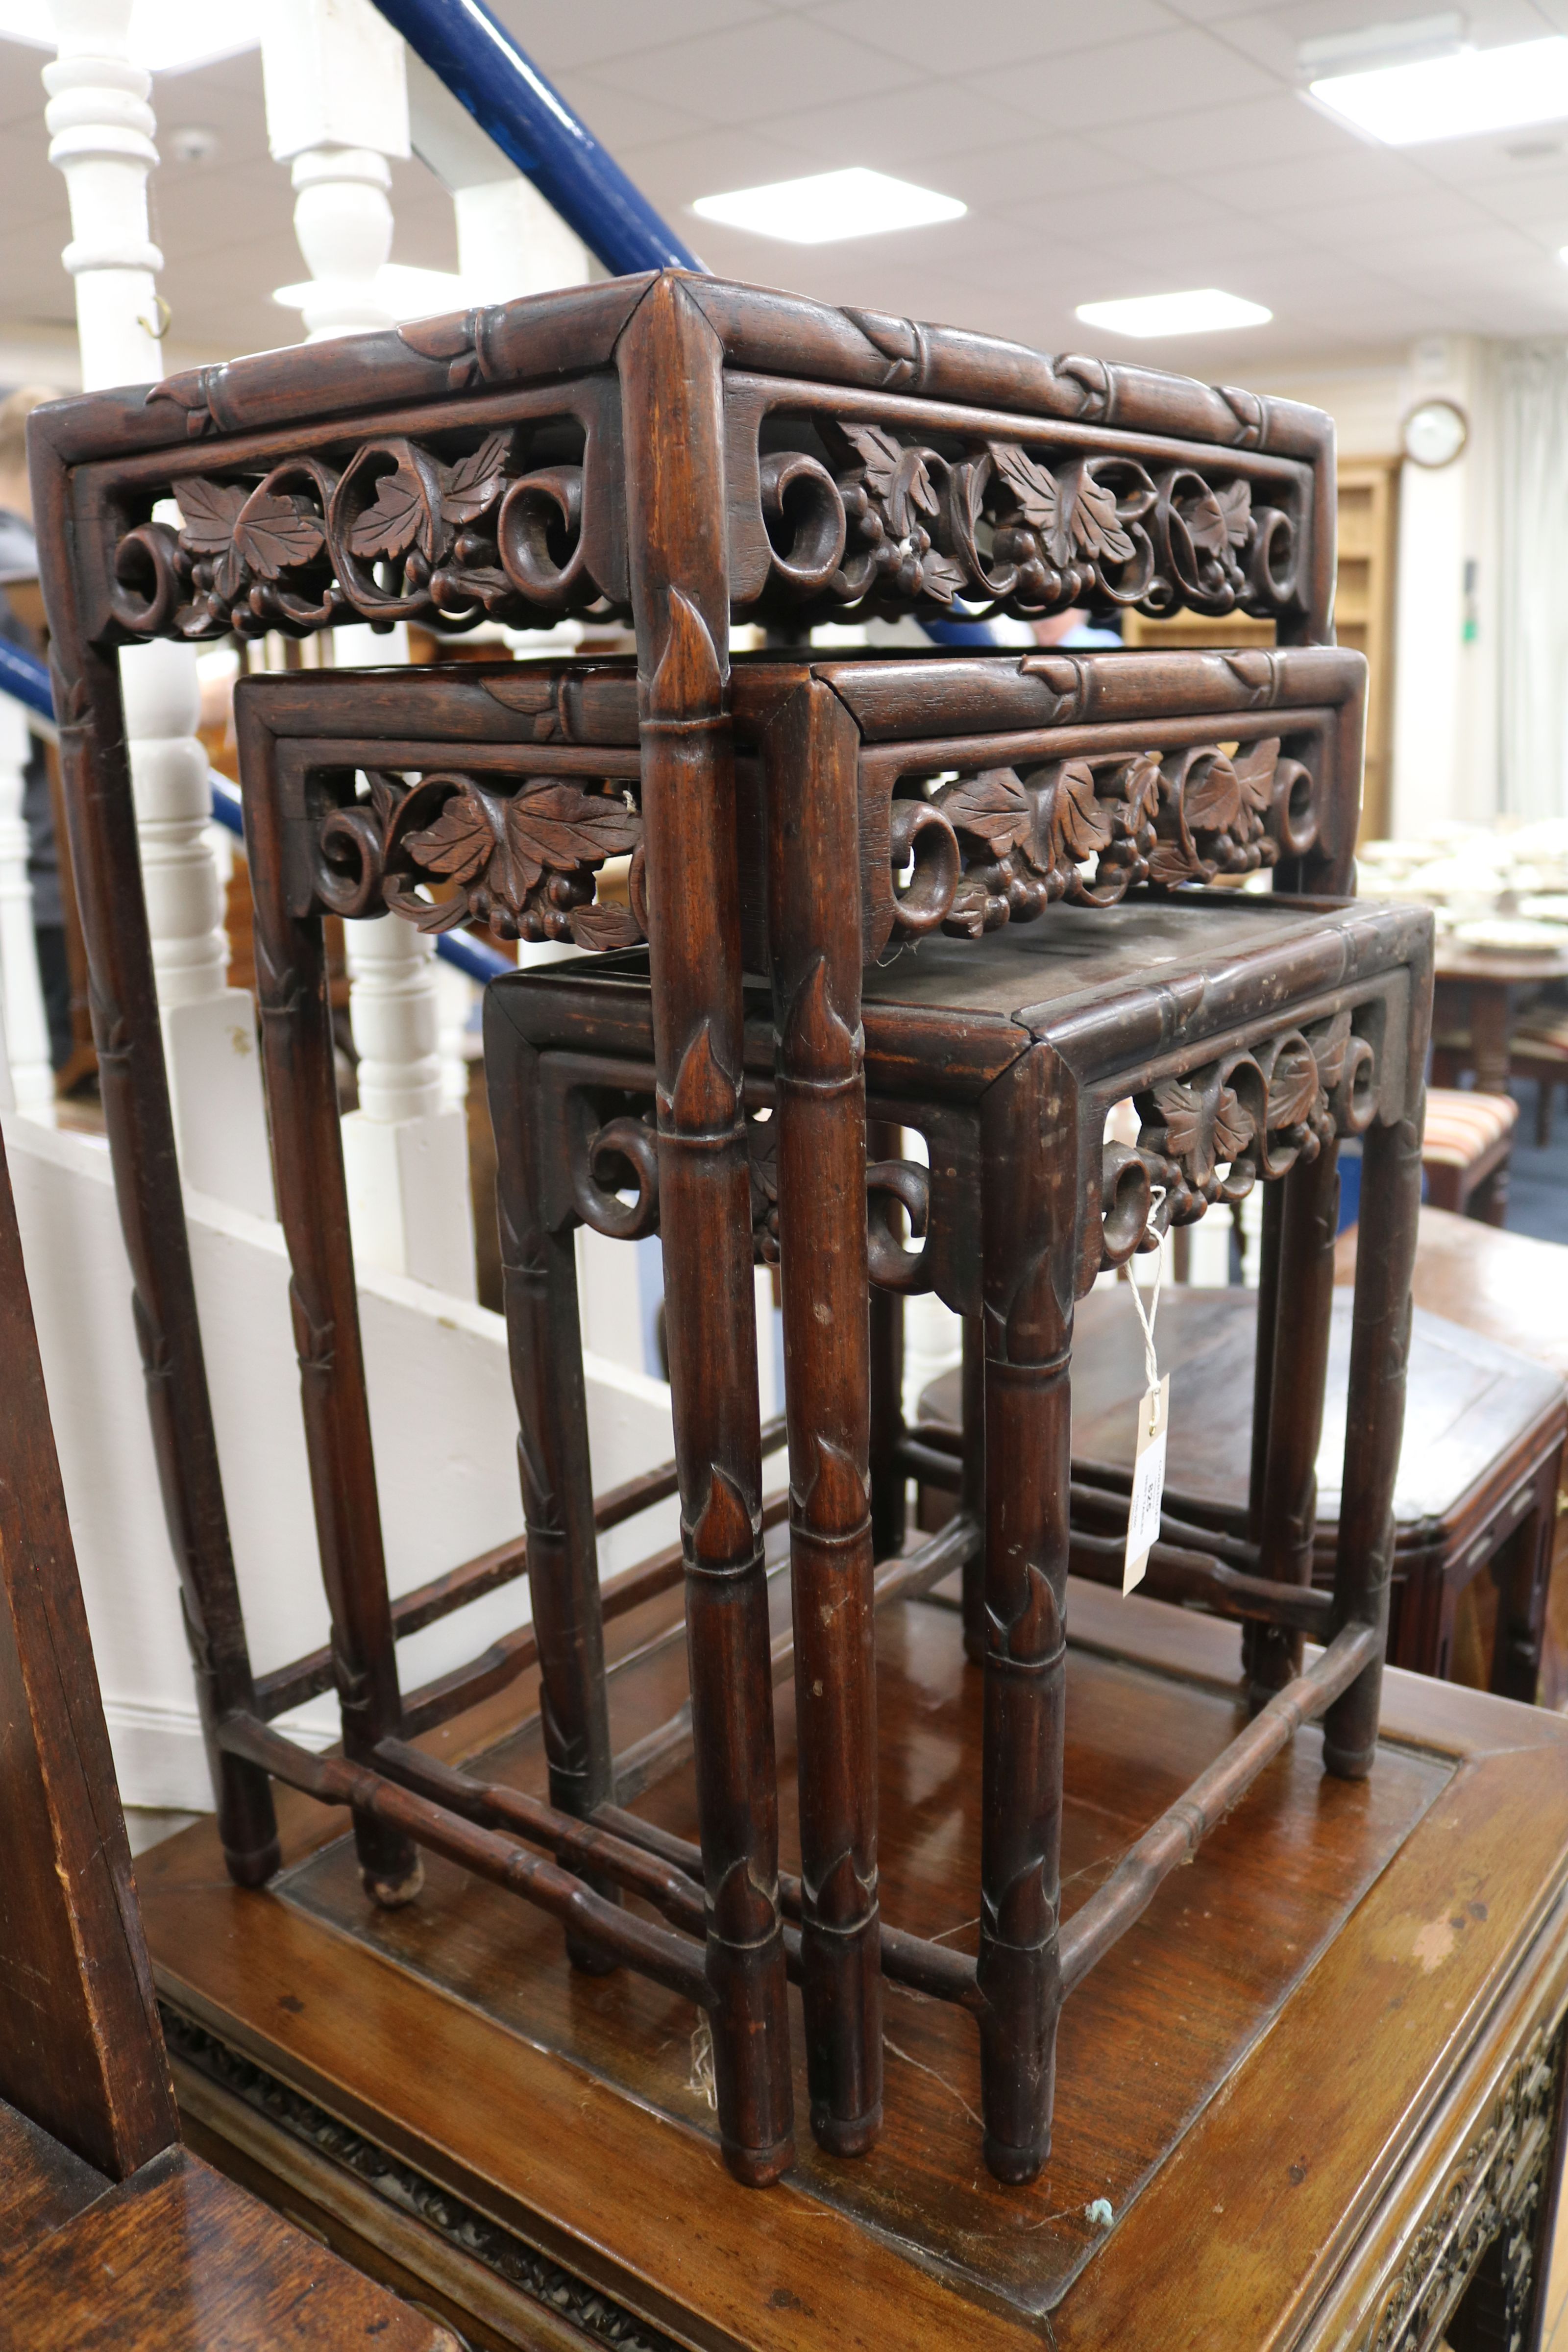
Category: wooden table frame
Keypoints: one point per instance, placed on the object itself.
(690, 452)
(490, 745)
(1021, 1207)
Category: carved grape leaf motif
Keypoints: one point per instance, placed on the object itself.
(389, 523)
(475, 482)
(992, 806)
(209, 511)
(1036, 490)
(1292, 1088)
(940, 577)
(1221, 518)
(1232, 1128)
(560, 826)
(1212, 800)
(897, 477)
(1181, 1107)
(1139, 790)
(602, 928)
(266, 530)
(463, 838)
(1254, 772)
(1169, 863)
(1079, 826)
(1090, 519)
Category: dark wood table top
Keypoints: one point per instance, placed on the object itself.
(1470, 1402)
(1508, 1286)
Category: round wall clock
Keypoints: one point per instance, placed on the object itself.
(1435, 432)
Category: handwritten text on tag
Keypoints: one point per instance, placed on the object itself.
(1148, 1482)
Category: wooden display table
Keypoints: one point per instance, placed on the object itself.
(1476, 1502)
(1481, 993)
(1316, 2086)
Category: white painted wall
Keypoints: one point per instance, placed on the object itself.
(445, 1433)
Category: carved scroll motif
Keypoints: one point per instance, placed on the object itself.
(1210, 1135)
(395, 532)
(1492, 2199)
(525, 863)
(998, 847)
(891, 522)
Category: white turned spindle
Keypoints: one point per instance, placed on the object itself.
(27, 1027)
(406, 1149)
(337, 108)
(100, 128)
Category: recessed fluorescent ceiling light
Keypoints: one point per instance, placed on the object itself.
(1453, 97)
(830, 206)
(1202, 313)
(407, 292)
(166, 36)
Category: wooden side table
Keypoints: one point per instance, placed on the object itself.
(1317, 2087)
(1514, 1289)
(1481, 993)
(1477, 1479)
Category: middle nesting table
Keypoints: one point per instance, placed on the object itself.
(902, 799)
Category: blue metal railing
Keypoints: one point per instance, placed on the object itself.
(23, 676)
(507, 96)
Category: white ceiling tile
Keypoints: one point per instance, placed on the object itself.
(755, 71)
(924, 30)
(557, 37)
(1295, 184)
(1129, 83)
(907, 135)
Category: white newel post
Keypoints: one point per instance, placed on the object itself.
(100, 127)
(510, 242)
(337, 108)
(26, 1027)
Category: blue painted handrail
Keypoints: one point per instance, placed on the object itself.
(24, 678)
(507, 96)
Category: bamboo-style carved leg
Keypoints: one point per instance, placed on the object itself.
(298, 1064)
(814, 881)
(1029, 1338)
(670, 366)
(545, 1343)
(1374, 1420)
(1302, 1307)
(972, 1488)
(135, 1092)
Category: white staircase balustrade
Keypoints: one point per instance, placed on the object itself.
(26, 1023)
(337, 109)
(100, 127)
(510, 241)
(406, 1149)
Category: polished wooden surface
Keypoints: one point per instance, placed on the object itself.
(80, 2051)
(1508, 1286)
(1434, 1885)
(177, 2259)
(1484, 1429)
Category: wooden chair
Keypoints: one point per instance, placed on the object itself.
(1269, 1029)
(690, 452)
(111, 2233)
(1466, 1151)
(303, 736)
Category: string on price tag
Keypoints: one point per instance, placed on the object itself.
(1153, 1419)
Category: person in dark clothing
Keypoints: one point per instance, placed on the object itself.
(18, 575)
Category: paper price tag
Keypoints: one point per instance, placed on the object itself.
(1148, 1482)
